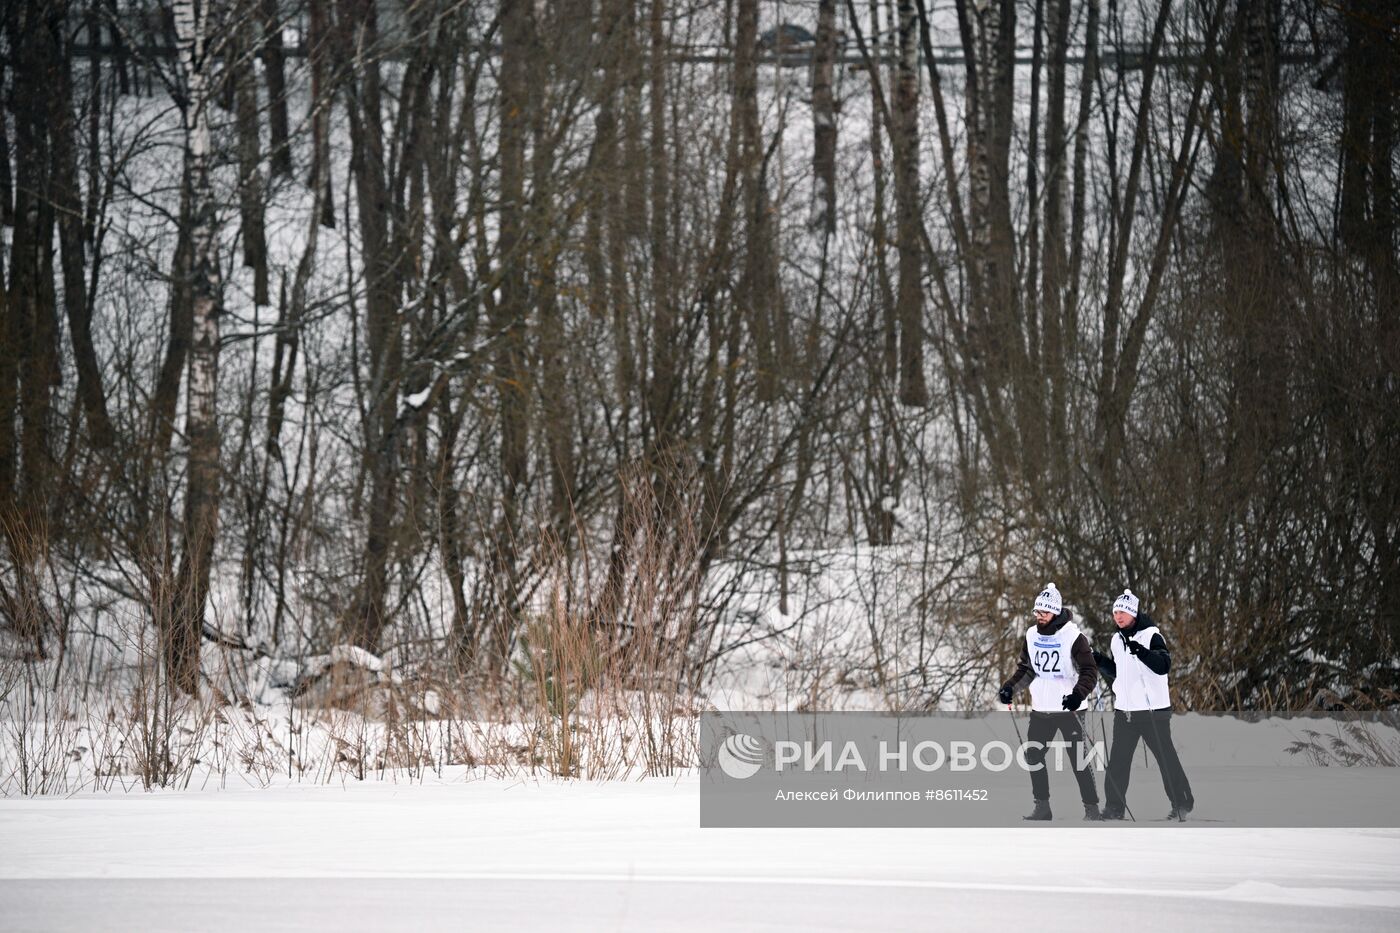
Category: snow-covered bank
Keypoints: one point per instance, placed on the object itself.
(631, 856)
(622, 905)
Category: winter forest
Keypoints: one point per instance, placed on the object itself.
(392, 383)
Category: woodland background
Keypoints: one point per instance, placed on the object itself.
(559, 342)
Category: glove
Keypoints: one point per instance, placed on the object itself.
(1071, 701)
(1004, 695)
(1135, 648)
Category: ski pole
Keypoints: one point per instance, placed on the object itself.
(1019, 741)
(1084, 737)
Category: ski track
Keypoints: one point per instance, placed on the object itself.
(634, 851)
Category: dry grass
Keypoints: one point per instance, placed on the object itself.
(599, 686)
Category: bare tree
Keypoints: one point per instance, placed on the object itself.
(567, 309)
(824, 122)
(904, 140)
(200, 526)
(511, 316)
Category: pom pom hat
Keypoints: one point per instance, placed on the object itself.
(1126, 603)
(1049, 600)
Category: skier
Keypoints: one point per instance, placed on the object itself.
(1058, 664)
(1137, 670)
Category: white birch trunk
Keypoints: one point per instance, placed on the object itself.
(201, 427)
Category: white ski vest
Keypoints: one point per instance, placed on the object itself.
(1054, 668)
(1136, 686)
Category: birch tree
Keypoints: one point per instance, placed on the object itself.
(201, 519)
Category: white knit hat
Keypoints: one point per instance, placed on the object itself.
(1048, 600)
(1126, 603)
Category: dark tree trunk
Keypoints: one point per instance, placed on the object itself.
(823, 214)
(274, 60)
(69, 204)
(34, 31)
(665, 382)
(383, 326)
(512, 317)
(904, 139)
(755, 296)
(1052, 292)
(250, 180)
(321, 46)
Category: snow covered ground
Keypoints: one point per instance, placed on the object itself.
(467, 854)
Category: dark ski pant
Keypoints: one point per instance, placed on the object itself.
(1042, 729)
(1154, 727)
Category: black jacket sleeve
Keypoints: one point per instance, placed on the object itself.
(1024, 672)
(1155, 656)
(1084, 663)
(1107, 666)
